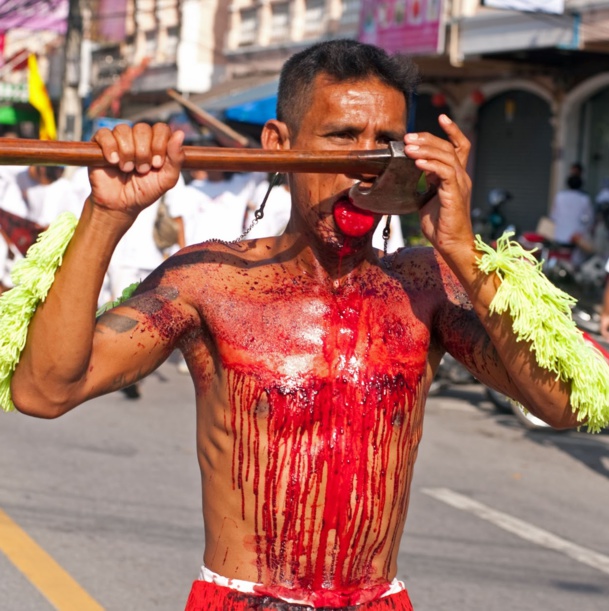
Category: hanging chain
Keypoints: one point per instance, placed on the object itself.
(386, 235)
(259, 213)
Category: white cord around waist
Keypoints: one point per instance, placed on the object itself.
(249, 587)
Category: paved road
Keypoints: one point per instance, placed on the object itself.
(111, 494)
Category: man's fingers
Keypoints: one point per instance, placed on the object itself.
(141, 147)
(456, 137)
(107, 143)
(161, 133)
(142, 150)
(175, 153)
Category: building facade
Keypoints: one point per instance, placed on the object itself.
(530, 89)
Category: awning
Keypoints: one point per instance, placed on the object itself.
(218, 100)
(257, 112)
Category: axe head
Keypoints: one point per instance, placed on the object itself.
(400, 189)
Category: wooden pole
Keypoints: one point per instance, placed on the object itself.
(224, 134)
(22, 151)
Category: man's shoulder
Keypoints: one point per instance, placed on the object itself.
(223, 257)
(416, 257)
(424, 269)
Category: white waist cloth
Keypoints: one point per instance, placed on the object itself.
(248, 587)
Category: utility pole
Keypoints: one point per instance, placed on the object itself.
(70, 107)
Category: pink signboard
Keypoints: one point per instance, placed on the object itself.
(112, 18)
(409, 26)
(34, 15)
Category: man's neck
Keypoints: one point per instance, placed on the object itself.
(328, 264)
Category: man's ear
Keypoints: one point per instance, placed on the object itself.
(275, 136)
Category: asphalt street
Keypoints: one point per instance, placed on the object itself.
(101, 509)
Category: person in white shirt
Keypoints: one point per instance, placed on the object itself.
(136, 254)
(572, 213)
(11, 198)
(186, 204)
(277, 208)
(47, 194)
(573, 216)
(46, 201)
(79, 177)
(228, 199)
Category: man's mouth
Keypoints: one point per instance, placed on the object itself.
(351, 220)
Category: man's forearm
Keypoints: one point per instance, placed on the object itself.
(533, 385)
(60, 336)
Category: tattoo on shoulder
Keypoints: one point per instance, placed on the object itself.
(117, 322)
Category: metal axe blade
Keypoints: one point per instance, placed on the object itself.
(400, 189)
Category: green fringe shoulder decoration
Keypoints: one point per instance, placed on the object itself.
(33, 277)
(541, 315)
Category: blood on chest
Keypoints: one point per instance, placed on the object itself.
(348, 337)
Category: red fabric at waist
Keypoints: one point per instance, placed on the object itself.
(206, 596)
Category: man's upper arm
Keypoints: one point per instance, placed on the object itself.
(133, 339)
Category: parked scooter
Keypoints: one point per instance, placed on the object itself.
(558, 266)
(492, 225)
(451, 373)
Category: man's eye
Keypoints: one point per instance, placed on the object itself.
(341, 135)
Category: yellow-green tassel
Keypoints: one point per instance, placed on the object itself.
(541, 315)
(33, 277)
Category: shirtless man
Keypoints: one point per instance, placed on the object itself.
(311, 356)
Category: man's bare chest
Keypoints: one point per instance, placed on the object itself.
(291, 333)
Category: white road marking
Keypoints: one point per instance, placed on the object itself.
(522, 529)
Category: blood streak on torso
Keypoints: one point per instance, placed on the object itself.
(325, 422)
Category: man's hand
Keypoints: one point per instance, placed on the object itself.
(144, 162)
(445, 220)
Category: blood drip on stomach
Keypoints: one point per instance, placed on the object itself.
(351, 220)
(339, 502)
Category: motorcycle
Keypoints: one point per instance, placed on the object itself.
(492, 225)
(557, 263)
(450, 372)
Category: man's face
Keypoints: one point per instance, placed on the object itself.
(351, 115)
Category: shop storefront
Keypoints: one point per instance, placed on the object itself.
(17, 116)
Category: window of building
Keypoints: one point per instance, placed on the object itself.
(350, 12)
(171, 43)
(315, 12)
(247, 26)
(150, 46)
(280, 22)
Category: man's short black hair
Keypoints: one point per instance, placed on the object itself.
(342, 60)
